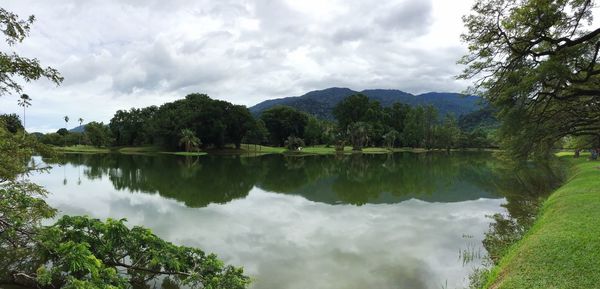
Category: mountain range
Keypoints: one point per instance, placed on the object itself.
(320, 103)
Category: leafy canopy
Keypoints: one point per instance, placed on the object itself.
(536, 62)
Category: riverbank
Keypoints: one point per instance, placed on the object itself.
(244, 150)
(562, 249)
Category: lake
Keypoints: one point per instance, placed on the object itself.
(399, 220)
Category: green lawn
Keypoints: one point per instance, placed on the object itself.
(185, 153)
(562, 249)
(82, 149)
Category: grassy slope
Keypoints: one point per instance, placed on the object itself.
(562, 249)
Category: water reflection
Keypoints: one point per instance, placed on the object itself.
(361, 221)
(357, 179)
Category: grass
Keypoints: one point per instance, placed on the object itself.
(562, 249)
(137, 150)
(82, 149)
(186, 153)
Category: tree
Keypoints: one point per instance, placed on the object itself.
(536, 62)
(98, 134)
(293, 143)
(80, 123)
(24, 101)
(258, 133)
(413, 132)
(429, 124)
(14, 66)
(448, 133)
(390, 138)
(11, 122)
(359, 135)
(351, 109)
(189, 140)
(284, 121)
(238, 121)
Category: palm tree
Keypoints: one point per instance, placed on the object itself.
(25, 101)
(80, 122)
(189, 139)
(66, 118)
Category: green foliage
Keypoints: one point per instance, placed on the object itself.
(131, 128)
(358, 133)
(354, 108)
(91, 251)
(536, 62)
(11, 122)
(258, 133)
(14, 66)
(189, 140)
(98, 134)
(293, 143)
(283, 121)
(218, 122)
(390, 138)
(448, 133)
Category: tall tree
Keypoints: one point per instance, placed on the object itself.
(351, 109)
(282, 122)
(80, 123)
(24, 101)
(537, 62)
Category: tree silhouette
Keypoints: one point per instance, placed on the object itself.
(24, 101)
(80, 123)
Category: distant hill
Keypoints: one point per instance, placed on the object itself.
(320, 103)
(78, 128)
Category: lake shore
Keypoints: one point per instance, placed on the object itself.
(562, 248)
(249, 150)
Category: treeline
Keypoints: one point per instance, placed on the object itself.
(199, 121)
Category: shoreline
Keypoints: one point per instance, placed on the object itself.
(562, 248)
(251, 150)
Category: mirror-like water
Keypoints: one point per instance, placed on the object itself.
(361, 221)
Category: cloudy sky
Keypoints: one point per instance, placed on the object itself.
(121, 54)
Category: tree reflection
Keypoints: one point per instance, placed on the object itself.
(351, 179)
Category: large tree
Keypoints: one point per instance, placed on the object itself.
(282, 122)
(536, 61)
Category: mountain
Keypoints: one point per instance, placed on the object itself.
(78, 128)
(320, 103)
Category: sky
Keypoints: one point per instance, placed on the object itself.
(122, 54)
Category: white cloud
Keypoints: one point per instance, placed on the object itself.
(122, 54)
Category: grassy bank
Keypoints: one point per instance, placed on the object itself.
(245, 149)
(562, 249)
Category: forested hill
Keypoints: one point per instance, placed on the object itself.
(321, 102)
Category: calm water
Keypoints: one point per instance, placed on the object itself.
(370, 221)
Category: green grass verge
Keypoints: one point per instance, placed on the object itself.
(82, 149)
(245, 149)
(562, 249)
(137, 150)
(185, 153)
